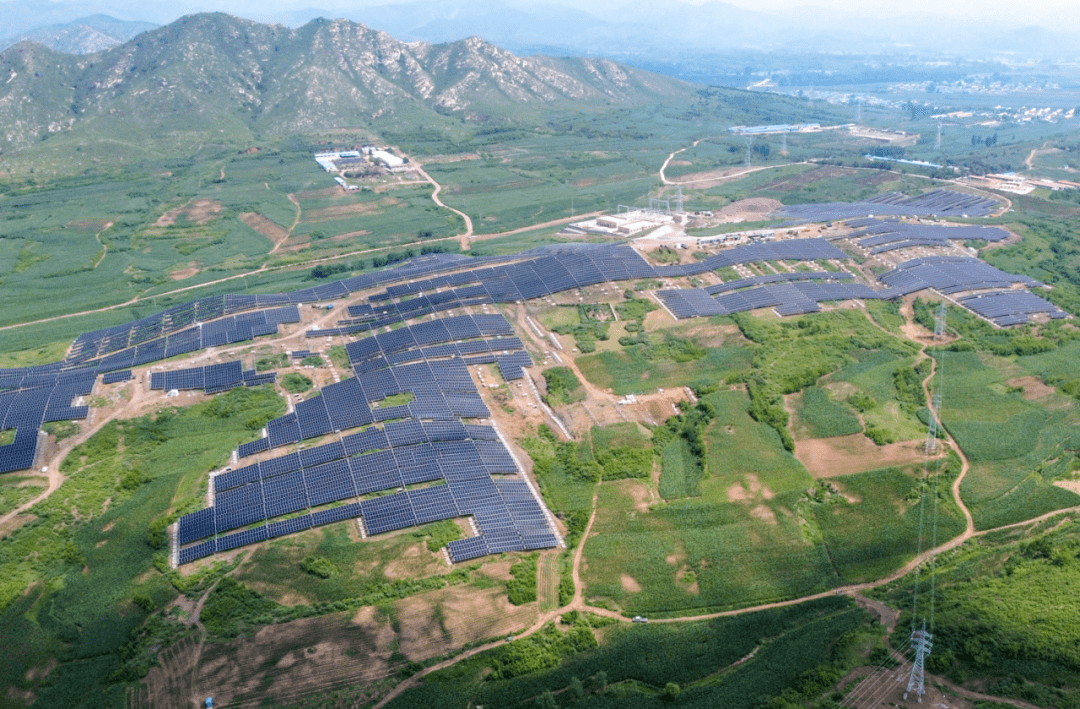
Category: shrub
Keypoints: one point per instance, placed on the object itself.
(317, 566)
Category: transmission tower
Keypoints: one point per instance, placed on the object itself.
(937, 145)
(935, 399)
(679, 200)
(922, 639)
(748, 142)
(921, 643)
(783, 142)
(858, 109)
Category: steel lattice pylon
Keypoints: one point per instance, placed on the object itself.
(921, 642)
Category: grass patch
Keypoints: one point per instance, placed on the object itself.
(522, 588)
(563, 386)
(818, 416)
(7, 436)
(680, 472)
(296, 383)
(277, 360)
(401, 399)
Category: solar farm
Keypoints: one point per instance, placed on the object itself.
(438, 456)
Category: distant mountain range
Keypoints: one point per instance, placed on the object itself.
(210, 71)
(83, 36)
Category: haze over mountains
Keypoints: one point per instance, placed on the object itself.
(633, 28)
(216, 71)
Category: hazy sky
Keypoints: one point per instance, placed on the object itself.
(1008, 11)
(998, 15)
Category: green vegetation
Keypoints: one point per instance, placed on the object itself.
(821, 417)
(62, 429)
(809, 647)
(1015, 445)
(317, 566)
(793, 354)
(312, 361)
(339, 357)
(82, 582)
(522, 588)
(278, 360)
(670, 360)
(682, 443)
(563, 386)
(1003, 614)
(441, 534)
(16, 490)
(395, 400)
(296, 383)
(585, 329)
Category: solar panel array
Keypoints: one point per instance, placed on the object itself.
(420, 442)
(124, 375)
(778, 278)
(950, 274)
(1011, 307)
(879, 237)
(213, 378)
(791, 249)
(552, 272)
(29, 399)
(934, 203)
(225, 331)
(794, 298)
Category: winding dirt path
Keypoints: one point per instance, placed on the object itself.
(464, 238)
(104, 246)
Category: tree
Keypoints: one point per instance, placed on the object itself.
(671, 690)
(576, 688)
(547, 700)
(600, 680)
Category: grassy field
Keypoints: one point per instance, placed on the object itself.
(637, 369)
(819, 416)
(633, 664)
(16, 490)
(1015, 444)
(1003, 618)
(79, 583)
(871, 523)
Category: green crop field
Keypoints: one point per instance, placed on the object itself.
(819, 416)
(1015, 445)
(872, 525)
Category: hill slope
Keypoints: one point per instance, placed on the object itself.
(216, 71)
(87, 35)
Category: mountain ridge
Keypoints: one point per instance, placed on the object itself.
(214, 67)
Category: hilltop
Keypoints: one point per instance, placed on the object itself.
(213, 71)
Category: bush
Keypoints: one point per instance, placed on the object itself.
(317, 566)
(522, 588)
(296, 383)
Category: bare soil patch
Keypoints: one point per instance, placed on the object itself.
(845, 455)
(434, 623)
(198, 212)
(737, 493)
(1070, 485)
(764, 514)
(294, 659)
(1033, 387)
(264, 226)
(753, 208)
(184, 273)
(629, 584)
(349, 210)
